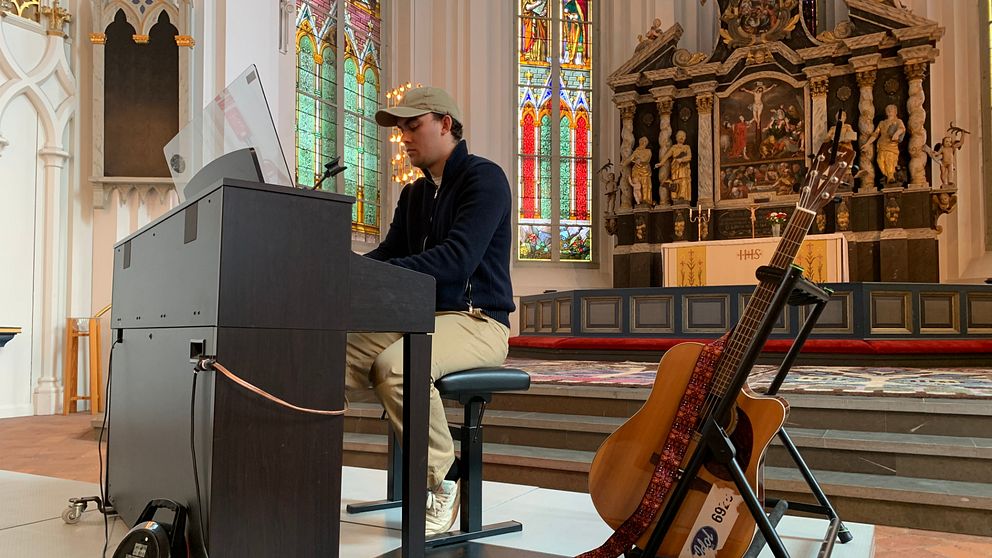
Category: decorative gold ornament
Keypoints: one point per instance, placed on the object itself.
(57, 18)
(842, 31)
(843, 216)
(818, 86)
(941, 203)
(185, 41)
(140, 39)
(704, 103)
(98, 38)
(892, 210)
(758, 55)
(916, 71)
(866, 78)
(747, 23)
(28, 9)
(684, 58)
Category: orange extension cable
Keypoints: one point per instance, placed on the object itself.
(206, 364)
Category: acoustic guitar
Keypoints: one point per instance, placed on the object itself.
(624, 464)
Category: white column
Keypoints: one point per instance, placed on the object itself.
(866, 125)
(627, 108)
(704, 150)
(704, 180)
(665, 99)
(48, 390)
(917, 131)
(818, 85)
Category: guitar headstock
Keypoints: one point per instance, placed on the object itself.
(827, 170)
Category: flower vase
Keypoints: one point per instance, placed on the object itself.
(776, 229)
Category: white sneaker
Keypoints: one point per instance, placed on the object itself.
(442, 507)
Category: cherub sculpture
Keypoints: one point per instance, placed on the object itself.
(945, 153)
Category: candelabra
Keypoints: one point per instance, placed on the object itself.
(701, 217)
(403, 171)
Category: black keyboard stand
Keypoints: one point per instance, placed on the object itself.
(715, 444)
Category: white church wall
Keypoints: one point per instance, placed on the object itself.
(19, 169)
(38, 189)
(956, 95)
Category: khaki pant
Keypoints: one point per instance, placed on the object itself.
(461, 340)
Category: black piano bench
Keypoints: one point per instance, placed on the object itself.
(474, 389)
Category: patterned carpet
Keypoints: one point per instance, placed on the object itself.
(964, 383)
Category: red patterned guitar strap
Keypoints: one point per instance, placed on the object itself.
(671, 457)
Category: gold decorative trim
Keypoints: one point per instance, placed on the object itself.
(704, 103)
(20, 8)
(916, 71)
(57, 18)
(98, 38)
(10, 330)
(866, 78)
(818, 86)
(185, 41)
(140, 39)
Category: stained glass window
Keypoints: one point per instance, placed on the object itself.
(554, 86)
(321, 67)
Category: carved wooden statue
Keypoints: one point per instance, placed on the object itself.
(945, 153)
(886, 137)
(640, 172)
(678, 157)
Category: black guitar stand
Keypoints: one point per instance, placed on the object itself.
(715, 444)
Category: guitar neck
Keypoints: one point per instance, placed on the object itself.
(758, 306)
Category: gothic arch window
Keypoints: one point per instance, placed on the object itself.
(555, 125)
(141, 96)
(340, 62)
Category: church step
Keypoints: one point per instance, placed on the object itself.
(938, 417)
(942, 505)
(914, 455)
(952, 458)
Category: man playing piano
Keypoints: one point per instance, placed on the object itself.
(452, 224)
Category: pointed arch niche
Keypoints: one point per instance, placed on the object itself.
(141, 92)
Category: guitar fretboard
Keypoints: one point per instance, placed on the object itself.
(758, 305)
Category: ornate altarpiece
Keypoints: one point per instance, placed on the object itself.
(753, 112)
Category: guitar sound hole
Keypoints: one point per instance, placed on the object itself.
(743, 440)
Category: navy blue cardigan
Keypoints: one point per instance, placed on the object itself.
(458, 233)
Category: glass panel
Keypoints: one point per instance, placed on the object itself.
(535, 32)
(576, 244)
(573, 131)
(535, 243)
(576, 42)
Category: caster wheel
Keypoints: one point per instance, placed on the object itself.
(72, 514)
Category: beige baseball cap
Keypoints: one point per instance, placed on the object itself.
(418, 101)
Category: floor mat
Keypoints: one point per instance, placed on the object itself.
(965, 383)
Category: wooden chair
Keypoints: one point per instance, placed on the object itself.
(70, 365)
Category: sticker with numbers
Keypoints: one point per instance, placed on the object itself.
(714, 524)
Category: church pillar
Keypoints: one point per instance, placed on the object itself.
(865, 67)
(627, 105)
(665, 99)
(704, 149)
(48, 391)
(818, 91)
(917, 133)
(916, 60)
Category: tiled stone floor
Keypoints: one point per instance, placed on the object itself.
(65, 447)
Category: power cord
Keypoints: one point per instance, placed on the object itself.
(205, 364)
(196, 473)
(105, 478)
